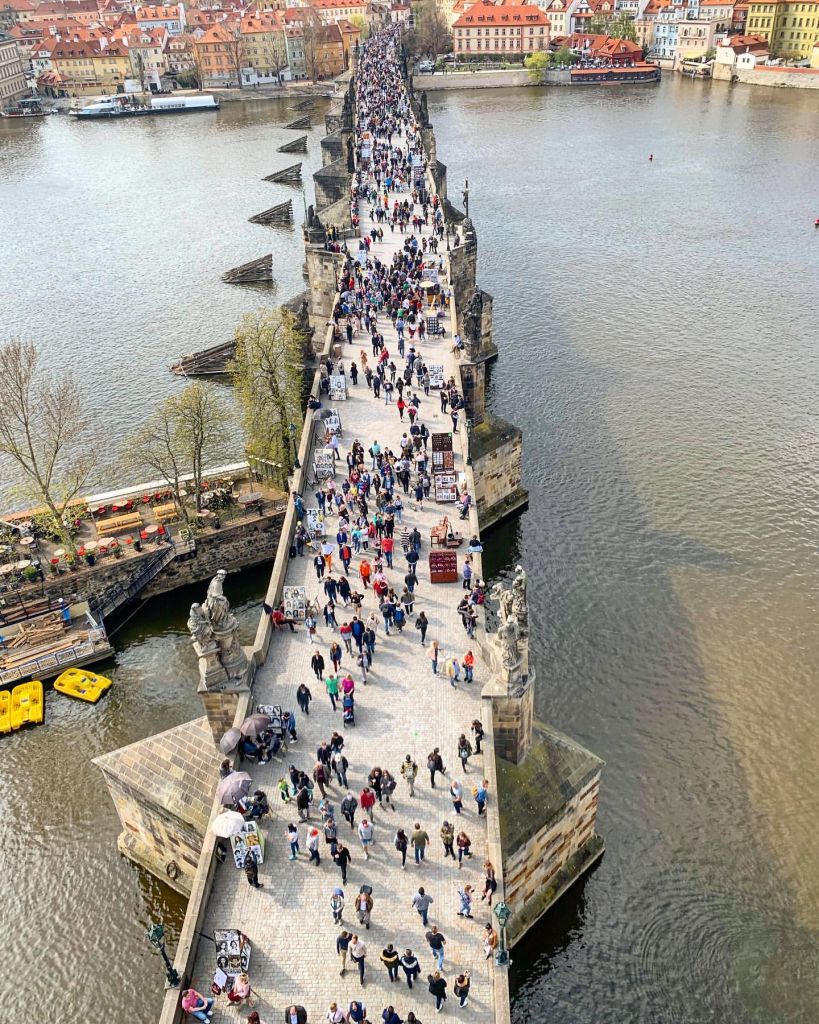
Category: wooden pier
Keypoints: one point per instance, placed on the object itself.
(298, 145)
(286, 174)
(300, 122)
(258, 271)
(281, 214)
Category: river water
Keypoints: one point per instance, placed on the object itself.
(657, 333)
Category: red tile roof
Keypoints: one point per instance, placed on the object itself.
(485, 14)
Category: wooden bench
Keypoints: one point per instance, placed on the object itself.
(166, 513)
(119, 525)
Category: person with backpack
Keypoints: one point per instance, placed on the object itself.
(401, 844)
(422, 624)
(410, 967)
(461, 987)
(448, 838)
(435, 764)
(464, 750)
(409, 771)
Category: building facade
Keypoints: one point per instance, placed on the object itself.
(790, 29)
(12, 77)
(511, 29)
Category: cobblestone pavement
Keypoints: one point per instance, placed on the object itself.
(404, 708)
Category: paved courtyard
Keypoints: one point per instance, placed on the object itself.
(403, 709)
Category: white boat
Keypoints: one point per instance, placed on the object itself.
(105, 107)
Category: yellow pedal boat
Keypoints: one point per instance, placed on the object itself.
(5, 711)
(84, 685)
(27, 704)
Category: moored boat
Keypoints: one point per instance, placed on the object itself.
(84, 685)
(27, 108)
(107, 107)
(27, 704)
(615, 74)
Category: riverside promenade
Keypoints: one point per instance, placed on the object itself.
(403, 709)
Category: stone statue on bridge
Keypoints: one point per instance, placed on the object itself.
(473, 322)
(520, 608)
(422, 103)
(213, 628)
(350, 158)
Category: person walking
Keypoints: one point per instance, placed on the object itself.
(317, 665)
(337, 904)
(457, 794)
(293, 840)
(468, 663)
(320, 771)
(461, 987)
(252, 870)
(419, 840)
(342, 858)
(422, 902)
(303, 698)
(366, 833)
(303, 803)
(339, 764)
(433, 657)
(422, 624)
(331, 683)
(348, 808)
(364, 906)
(437, 987)
(335, 1015)
(357, 1012)
(448, 838)
(435, 763)
(464, 750)
(477, 729)
(342, 947)
(367, 800)
(463, 843)
(335, 655)
(410, 967)
(436, 943)
(313, 837)
(358, 954)
(465, 897)
(409, 772)
(453, 670)
(402, 844)
(389, 1016)
(391, 960)
(481, 794)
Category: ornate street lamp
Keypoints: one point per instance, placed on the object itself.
(502, 913)
(468, 449)
(292, 429)
(156, 937)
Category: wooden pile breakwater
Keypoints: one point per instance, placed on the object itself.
(298, 145)
(258, 271)
(305, 104)
(281, 214)
(206, 362)
(286, 174)
(300, 122)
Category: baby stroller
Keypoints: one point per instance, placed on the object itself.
(348, 709)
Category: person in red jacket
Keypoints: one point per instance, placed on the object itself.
(367, 801)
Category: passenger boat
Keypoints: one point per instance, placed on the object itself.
(107, 107)
(27, 108)
(84, 685)
(5, 711)
(639, 71)
(27, 704)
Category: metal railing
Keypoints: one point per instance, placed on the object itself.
(118, 594)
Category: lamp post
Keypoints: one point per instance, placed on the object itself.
(502, 913)
(468, 449)
(292, 429)
(156, 937)
(446, 230)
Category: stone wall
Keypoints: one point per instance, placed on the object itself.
(533, 872)
(513, 716)
(470, 80)
(247, 543)
(162, 788)
(791, 78)
(497, 454)
(323, 269)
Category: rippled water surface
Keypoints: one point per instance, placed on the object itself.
(658, 338)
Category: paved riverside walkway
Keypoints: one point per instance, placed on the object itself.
(404, 708)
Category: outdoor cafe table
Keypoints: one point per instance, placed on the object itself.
(27, 541)
(24, 563)
(6, 569)
(152, 529)
(91, 546)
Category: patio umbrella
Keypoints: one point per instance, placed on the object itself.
(230, 741)
(227, 824)
(234, 786)
(254, 726)
(322, 414)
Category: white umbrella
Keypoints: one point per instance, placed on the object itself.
(227, 824)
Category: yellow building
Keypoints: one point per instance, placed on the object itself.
(790, 28)
(264, 53)
(85, 69)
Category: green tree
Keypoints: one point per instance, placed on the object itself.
(179, 437)
(564, 56)
(536, 64)
(362, 25)
(619, 26)
(267, 374)
(431, 35)
(44, 432)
